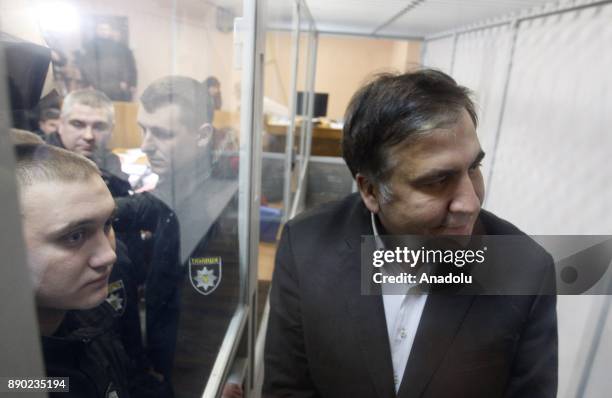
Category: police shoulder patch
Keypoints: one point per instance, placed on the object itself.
(117, 297)
(205, 273)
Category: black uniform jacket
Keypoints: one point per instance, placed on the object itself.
(325, 339)
(90, 356)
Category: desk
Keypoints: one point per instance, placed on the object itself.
(326, 141)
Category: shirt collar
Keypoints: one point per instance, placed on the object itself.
(377, 240)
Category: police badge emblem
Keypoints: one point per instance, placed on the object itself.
(117, 297)
(205, 274)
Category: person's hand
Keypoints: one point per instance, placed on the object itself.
(232, 390)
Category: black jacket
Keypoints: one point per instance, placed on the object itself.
(157, 266)
(326, 339)
(92, 357)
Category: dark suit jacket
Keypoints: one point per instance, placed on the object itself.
(325, 339)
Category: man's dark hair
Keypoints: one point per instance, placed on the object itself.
(395, 107)
(189, 94)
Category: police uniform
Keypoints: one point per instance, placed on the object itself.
(158, 268)
(91, 356)
(209, 298)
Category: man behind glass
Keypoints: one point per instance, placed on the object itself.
(178, 141)
(70, 253)
(86, 124)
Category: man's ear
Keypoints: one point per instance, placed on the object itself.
(368, 193)
(205, 134)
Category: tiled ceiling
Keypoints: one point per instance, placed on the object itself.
(397, 18)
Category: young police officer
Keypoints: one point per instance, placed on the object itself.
(67, 211)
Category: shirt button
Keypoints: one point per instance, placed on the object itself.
(403, 333)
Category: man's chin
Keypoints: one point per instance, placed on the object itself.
(93, 295)
(74, 303)
(93, 301)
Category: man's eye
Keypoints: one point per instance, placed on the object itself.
(162, 134)
(74, 238)
(100, 127)
(77, 124)
(436, 183)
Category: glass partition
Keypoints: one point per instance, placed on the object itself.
(287, 73)
(151, 93)
(301, 100)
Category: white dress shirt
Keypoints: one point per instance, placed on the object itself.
(403, 314)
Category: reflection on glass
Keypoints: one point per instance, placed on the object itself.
(278, 100)
(160, 120)
(277, 94)
(197, 169)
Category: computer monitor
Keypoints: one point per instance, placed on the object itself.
(320, 104)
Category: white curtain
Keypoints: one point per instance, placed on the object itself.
(553, 171)
(481, 64)
(555, 144)
(439, 53)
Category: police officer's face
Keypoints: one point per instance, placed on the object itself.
(170, 146)
(436, 184)
(69, 240)
(85, 129)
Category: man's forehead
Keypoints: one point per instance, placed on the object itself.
(88, 113)
(165, 115)
(457, 143)
(73, 198)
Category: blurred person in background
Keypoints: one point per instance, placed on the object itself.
(86, 124)
(48, 122)
(108, 65)
(213, 87)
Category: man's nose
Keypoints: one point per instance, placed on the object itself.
(104, 251)
(88, 134)
(147, 145)
(465, 199)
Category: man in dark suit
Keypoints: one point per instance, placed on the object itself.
(410, 142)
